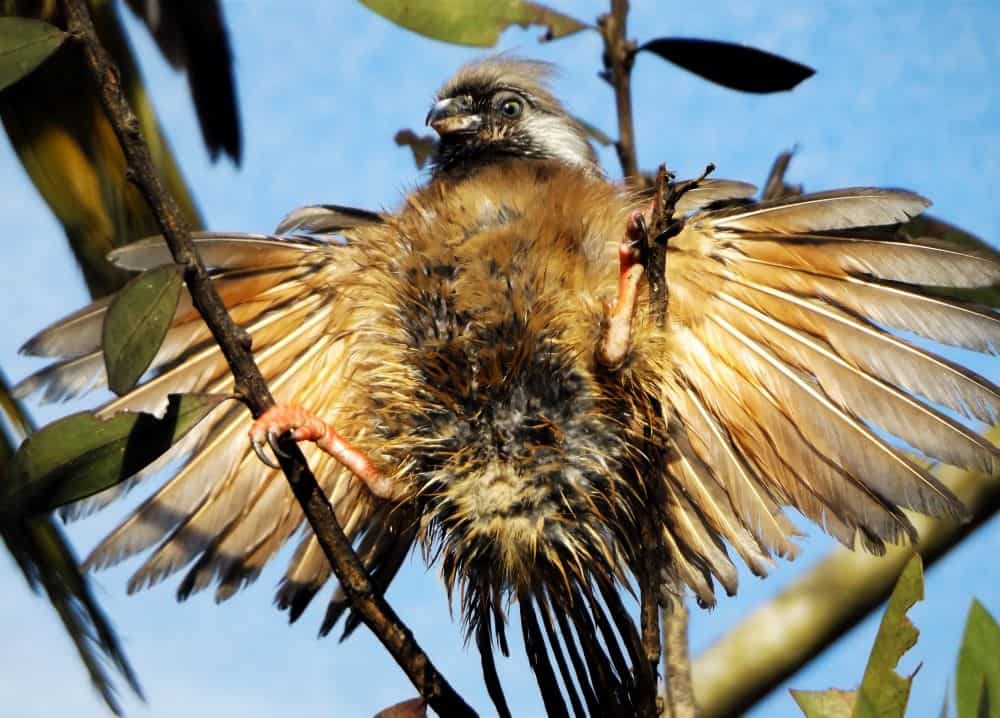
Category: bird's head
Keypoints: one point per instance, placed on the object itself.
(501, 108)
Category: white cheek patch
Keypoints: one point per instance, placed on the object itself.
(558, 139)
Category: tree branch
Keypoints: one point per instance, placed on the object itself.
(250, 386)
(679, 691)
(776, 640)
(619, 55)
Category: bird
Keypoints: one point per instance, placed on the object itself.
(484, 374)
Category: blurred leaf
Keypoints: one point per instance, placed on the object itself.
(884, 693)
(595, 134)
(422, 146)
(737, 67)
(45, 558)
(978, 672)
(24, 45)
(193, 37)
(413, 708)
(56, 125)
(830, 703)
(81, 454)
(472, 22)
(136, 323)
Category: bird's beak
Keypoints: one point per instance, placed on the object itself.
(452, 115)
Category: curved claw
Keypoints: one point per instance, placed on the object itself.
(273, 437)
(258, 448)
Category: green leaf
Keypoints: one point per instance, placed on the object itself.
(884, 693)
(136, 323)
(472, 22)
(81, 454)
(978, 670)
(830, 703)
(24, 45)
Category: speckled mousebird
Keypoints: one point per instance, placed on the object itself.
(480, 373)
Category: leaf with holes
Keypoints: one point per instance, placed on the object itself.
(24, 45)
(977, 679)
(884, 693)
(472, 22)
(832, 703)
(80, 455)
(136, 323)
(737, 67)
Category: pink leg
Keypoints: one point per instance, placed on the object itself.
(614, 346)
(302, 425)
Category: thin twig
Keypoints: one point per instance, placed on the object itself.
(250, 385)
(677, 698)
(619, 55)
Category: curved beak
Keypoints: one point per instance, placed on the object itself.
(452, 115)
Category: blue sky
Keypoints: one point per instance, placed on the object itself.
(905, 95)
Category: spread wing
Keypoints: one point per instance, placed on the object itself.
(800, 377)
(223, 512)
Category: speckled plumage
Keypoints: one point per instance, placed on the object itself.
(454, 342)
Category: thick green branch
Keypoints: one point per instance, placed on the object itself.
(774, 641)
(235, 345)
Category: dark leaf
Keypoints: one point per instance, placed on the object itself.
(53, 117)
(192, 36)
(884, 693)
(136, 323)
(830, 703)
(472, 22)
(734, 66)
(422, 146)
(46, 559)
(24, 45)
(977, 678)
(80, 455)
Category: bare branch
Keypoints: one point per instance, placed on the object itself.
(250, 385)
(619, 55)
(679, 701)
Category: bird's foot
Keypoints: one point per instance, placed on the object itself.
(614, 345)
(302, 425)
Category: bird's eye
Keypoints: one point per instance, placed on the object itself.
(511, 108)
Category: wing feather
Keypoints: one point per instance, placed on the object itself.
(788, 379)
